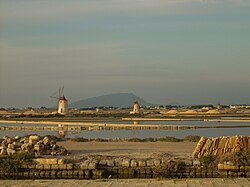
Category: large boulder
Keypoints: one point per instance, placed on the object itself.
(33, 139)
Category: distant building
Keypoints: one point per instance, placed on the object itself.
(240, 106)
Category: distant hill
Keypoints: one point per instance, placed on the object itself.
(121, 100)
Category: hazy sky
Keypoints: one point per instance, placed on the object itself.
(165, 51)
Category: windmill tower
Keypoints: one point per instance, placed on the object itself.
(62, 103)
(136, 108)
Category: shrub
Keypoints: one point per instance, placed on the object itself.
(149, 140)
(169, 139)
(208, 160)
(192, 138)
(238, 158)
(100, 140)
(166, 169)
(13, 163)
(135, 140)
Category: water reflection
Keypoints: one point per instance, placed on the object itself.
(63, 131)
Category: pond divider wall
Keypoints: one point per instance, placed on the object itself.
(111, 127)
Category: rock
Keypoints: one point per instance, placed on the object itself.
(46, 161)
(85, 164)
(98, 172)
(11, 146)
(141, 163)
(150, 163)
(9, 140)
(125, 163)
(52, 143)
(118, 162)
(69, 166)
(110, 163)
(10, 151)
(27, 147)
(3, 147)
(157, 163)
(196, 162)
(17, 144)
(33, 139)
(103, 162)
(133, 163)
(59, 151)
(24, 140)
(3, 151)
(61, 161)
(92, 165)
(31, 144)
(46, 140)
(17, 137)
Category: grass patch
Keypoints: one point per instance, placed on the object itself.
(192, 138)
(166, 169)
(169, 139)
(238, 158)
(13, 163)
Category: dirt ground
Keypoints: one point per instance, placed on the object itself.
(182, 150)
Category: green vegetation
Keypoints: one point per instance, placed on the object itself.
(189, 138)
(79, 139)
(169, 139)
(13, 163)
(192, 138)
(208, 160)
(239, 158)
(166, 169)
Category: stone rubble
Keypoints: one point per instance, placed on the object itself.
(32, 144)
(221, 146)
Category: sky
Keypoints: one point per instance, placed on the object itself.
(165, 51)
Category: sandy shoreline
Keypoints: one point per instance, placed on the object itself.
(181, 150)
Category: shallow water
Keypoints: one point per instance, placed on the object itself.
(188, 123)
(207, 132)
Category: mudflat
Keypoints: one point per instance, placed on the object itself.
(182, 150)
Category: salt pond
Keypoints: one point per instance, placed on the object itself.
(207, 132)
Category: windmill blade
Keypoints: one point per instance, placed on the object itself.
(62, 90)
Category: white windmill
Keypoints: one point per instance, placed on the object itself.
(136, 108)
(62, 102)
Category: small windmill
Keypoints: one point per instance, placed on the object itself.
(62, 107)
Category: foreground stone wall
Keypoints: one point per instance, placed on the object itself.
(118, 168)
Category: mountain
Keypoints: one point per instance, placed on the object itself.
(121, 100)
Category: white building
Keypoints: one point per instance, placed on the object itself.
(240, 106)
(136, 109)
(62, 105)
